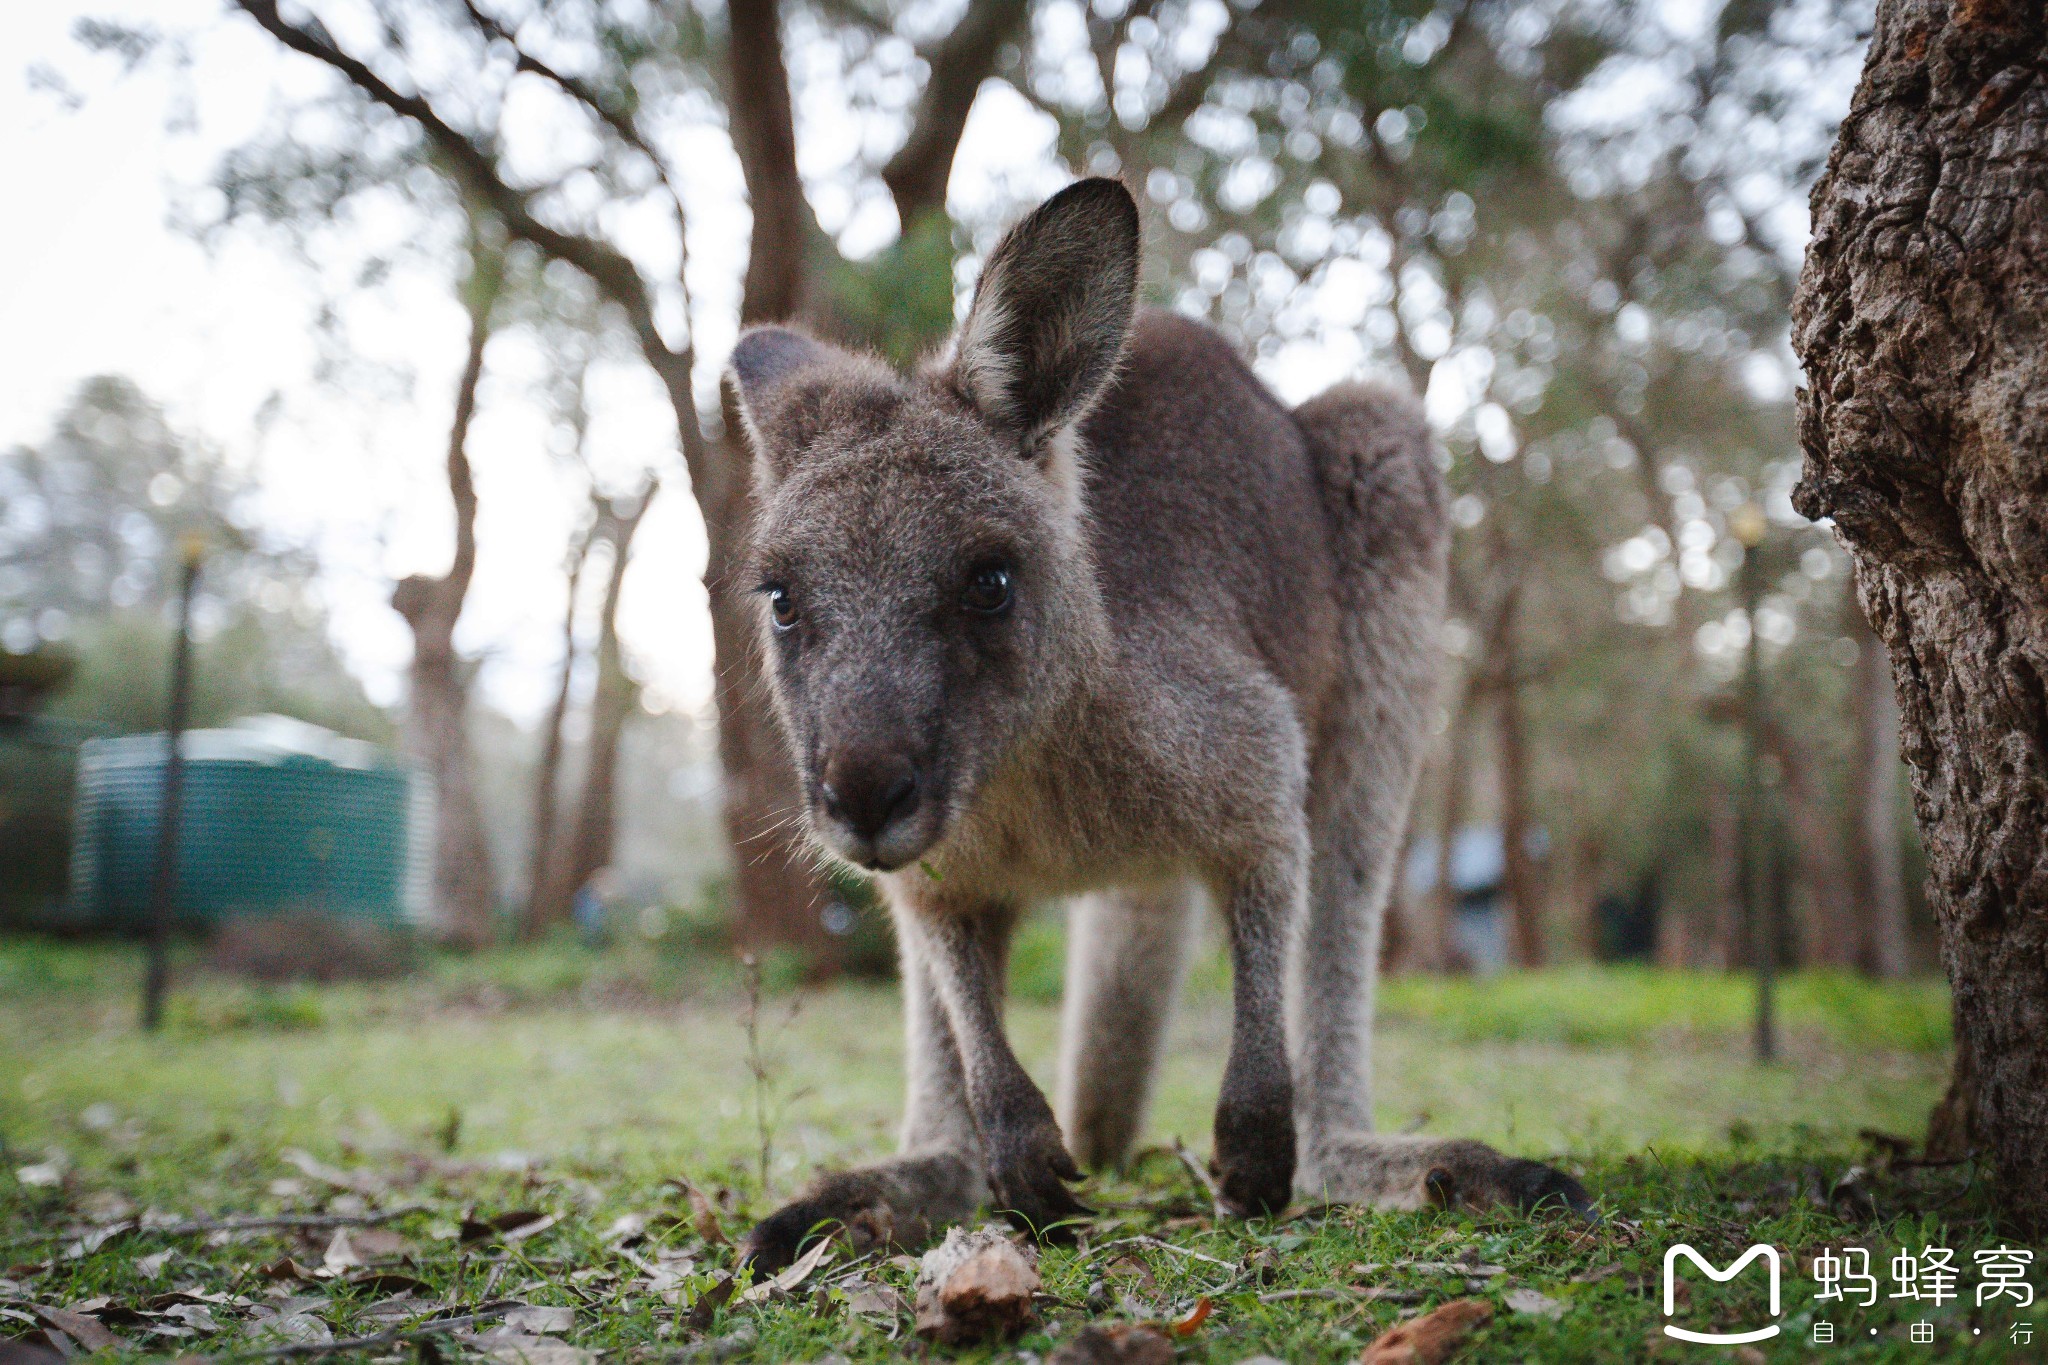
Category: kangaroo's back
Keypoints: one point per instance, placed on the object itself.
(1209, 525)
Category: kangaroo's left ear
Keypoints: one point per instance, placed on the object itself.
(1051, 312)
(766, 374)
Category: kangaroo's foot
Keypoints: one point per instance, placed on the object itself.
(1028, 1167)
(1254, 1165)
(899, 1203)
(1392, 1171)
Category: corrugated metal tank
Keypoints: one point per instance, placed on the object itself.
(278, 816)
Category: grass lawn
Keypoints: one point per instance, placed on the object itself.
(584, 1086)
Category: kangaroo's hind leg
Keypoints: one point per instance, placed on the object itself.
(1127, 957)
(1385, 503)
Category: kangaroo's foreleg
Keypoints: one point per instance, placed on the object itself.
(936, 1179)
(1127, 956)
(1025, 1157)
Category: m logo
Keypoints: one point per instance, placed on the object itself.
(1768, 1253)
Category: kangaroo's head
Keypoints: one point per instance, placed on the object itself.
(924, 589)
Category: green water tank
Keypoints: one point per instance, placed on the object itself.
(278, 816)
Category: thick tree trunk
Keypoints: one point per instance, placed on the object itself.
(465, 887)
(1922, 319)
(1880, 861)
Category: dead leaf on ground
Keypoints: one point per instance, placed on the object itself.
(356, 1182)
(794, 1275)
(1122, 1344)
(87, 1331)
(523, 1348)
(1595, 1276)
(1535, 1303)
(976, 1286)
(509, 1228)
(24, 1351)
(549, 1321)
(1196, 1316)
(709, 1302)
(703, 1213)
(1431, 1338)
(285, 1268)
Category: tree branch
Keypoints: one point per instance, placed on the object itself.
(919, 171)
(477, 174)
(764, 136)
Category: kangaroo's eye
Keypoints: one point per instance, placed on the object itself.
(988, 590)
(781, 606)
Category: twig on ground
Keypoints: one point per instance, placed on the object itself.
(395, 1337)
(1201, 1175)
(1158, 1245)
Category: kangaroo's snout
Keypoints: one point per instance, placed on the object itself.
(868, 790)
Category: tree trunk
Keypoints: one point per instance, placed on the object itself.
(543, 909)
(1922, 319)
(1521, 879)
(1880, 862)
(1833, 933)
(611, 705)
(465, 887)
(1433, 946)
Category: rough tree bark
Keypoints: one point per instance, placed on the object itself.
(1922, 320)
(465, 887)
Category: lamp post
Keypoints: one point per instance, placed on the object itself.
(164, 879)
(1747, 524)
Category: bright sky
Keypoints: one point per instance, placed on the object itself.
(102, 282)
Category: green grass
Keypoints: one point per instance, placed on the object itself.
(578, 1082)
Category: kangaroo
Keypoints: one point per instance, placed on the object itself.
(1079, 609)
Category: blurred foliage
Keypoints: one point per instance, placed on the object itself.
(89, 527)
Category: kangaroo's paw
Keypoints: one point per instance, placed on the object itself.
(1391, 1171)
(1028, 1168)
(899, 1203)
(1254, 1165)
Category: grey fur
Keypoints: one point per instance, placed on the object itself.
(1209, 666)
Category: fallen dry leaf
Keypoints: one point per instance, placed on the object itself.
(1123, 1344)
(1535, 1304)
(798, 1271)
(88, 1332)
(1196, 1316)
(709, 1302)
(975, 1286)
(541, 1321)
(1429, 1339)
(703, 1213)
(522, 1348)
(1595, 1276)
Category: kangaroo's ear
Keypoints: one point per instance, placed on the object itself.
(767, 373)
(1047, 327)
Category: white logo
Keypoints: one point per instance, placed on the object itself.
(1770, 1255)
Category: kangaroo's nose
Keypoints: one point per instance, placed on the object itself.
(868, 789)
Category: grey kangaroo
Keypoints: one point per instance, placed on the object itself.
(1079, 609)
